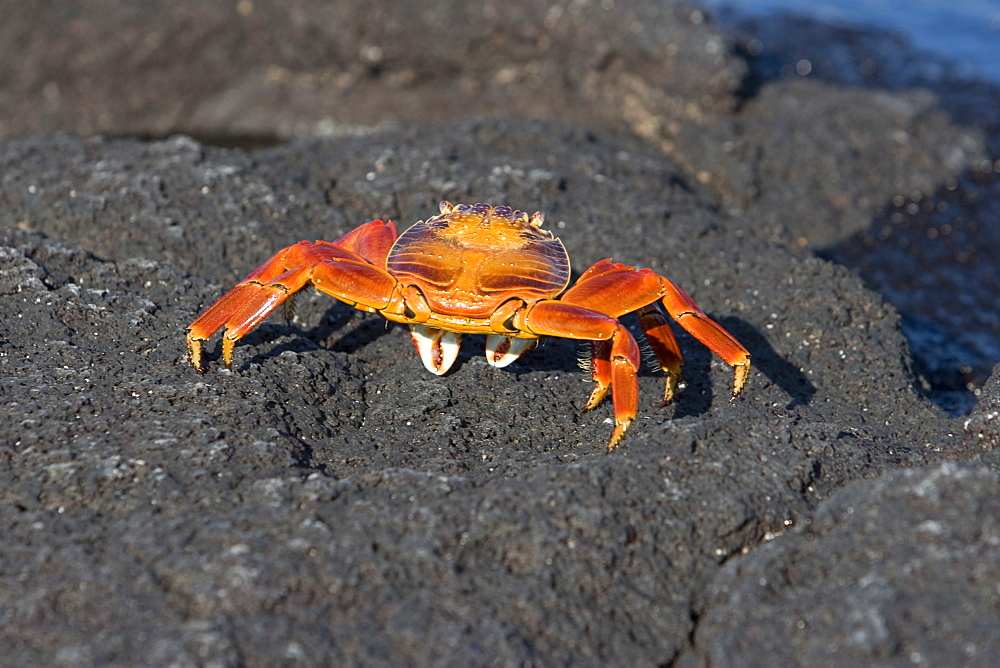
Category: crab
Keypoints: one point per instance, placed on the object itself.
(490, 270)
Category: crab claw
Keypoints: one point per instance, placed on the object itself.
(438, 348)
(502, 350)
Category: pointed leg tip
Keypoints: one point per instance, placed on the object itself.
(670, 389)
(596, 397)
(228, 344)
(740, 374)
(194, 355)
(618, 435)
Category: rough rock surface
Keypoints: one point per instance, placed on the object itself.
(331, 501)
(932, 248)
(906, 567)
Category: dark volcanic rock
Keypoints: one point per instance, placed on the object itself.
(816, 160)
(903, 568)
(982, 426)
(329, 501)
(864, 149)
(931, 247)
(813, 161)
(261, 71)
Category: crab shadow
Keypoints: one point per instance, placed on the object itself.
(765, 359)
(342, 330)
(699, 387)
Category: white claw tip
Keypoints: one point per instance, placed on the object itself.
(438, 349)
(502, 350)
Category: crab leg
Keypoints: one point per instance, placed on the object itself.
(661, 339)
(617, 289)
(344, 271)
(616, 355)
(590, 310)
(370, 241)
(664, 345)
(600, 370)
(243, 307)
(240, 310)
(683, 309)
(624, 383)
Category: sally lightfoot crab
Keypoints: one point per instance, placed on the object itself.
(484, 270)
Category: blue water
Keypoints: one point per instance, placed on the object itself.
(966, 32)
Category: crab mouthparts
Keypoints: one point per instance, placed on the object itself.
(438, 348)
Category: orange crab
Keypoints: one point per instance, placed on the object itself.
(484, 270)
